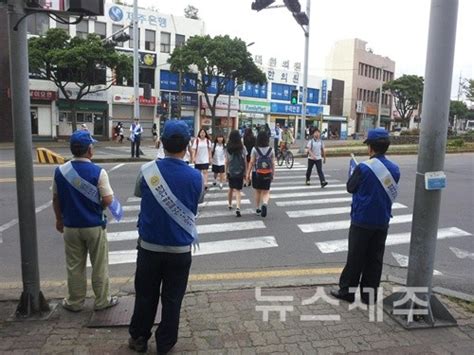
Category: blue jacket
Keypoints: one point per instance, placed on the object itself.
(154, 224)
(77, 210)
(371, 206)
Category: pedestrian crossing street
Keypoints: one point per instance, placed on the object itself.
(309, 212)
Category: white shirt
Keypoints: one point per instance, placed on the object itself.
(187, 156)
(219, 155)
(161, 152)
(202, 151)
(277, 134)
(315, 146)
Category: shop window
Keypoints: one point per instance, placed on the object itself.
(179, 40)
(150, 41)
(165, 42)
(38, 24)
(130, 42)
(100, 29)
(82, 29)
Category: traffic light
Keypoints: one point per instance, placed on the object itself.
(294, 97)
(261, 4)
(86, 7)
(293, 5)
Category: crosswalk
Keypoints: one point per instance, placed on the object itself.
(321, 215)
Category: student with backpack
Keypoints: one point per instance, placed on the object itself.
(218, 160)
(262, 167)
(236, 166)
(202, 154)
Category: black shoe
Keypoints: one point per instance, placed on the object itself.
(140, 344)
(264, 211)
(342, 296)
(258, 211)
(237, 213)
(324, 183)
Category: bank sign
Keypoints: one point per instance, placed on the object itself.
(123, 14)
(288, 109)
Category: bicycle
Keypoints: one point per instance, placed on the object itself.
(285, 156)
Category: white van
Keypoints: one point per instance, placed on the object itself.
(469, 125)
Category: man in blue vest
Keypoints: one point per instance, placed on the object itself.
(136, 131)
(374, 185)
(170, 191)
(81, 192)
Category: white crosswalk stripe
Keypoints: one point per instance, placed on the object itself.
(292, 177)
(304, 187)
(329, 211)
(340, 245)
(307, 194)
(301, 181)
(313, 202)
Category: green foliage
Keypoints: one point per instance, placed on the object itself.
(222, 58)
(469, 89)
(408, 93)
(457, 108)
(456, 142)
(64, 60)
(410, 132)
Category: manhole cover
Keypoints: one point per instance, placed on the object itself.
(118, 316)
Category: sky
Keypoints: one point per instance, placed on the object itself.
(397, 29)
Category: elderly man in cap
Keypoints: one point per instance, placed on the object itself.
(81, 192)
(170, 191)
(374, 187)
(136, 131)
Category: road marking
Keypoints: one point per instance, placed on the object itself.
(313, 202)
(133, 199)
(462, 254)
(221, 195)
(13, 222)
(403, 260)
(36, 179)
(207, 248)
(306, 194)
(281, 169)
(300, 182)
(304, 187)
(338, 225)
(222, 203)
(339, 245)
(329, 211)
(116, 167)
(299, 176)
(202, 229)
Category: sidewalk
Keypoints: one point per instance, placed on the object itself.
(227, 322)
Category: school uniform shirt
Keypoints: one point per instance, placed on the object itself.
(315, 146)
(219, 155)
(202, 151)
(187, 155)
(76, 209)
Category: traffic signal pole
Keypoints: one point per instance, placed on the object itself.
(305, 78)
(32, 302)
(136, 73)
(431, 155)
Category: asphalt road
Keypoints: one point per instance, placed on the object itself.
(286, 238)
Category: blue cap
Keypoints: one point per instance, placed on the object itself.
(176, 128)
(82, 138)
(376, 133)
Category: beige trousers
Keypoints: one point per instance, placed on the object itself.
(78, 242)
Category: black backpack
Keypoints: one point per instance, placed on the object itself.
(236, 165)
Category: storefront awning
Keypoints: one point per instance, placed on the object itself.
(84, 105)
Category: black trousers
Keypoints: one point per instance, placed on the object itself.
(364, 260)
(319, 168)
(275, 145)
(136, 147)
(170, 272)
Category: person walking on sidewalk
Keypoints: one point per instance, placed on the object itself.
(218, 160)
(262, 168)
(136, 131)
(81, 192)
(236, 167)
(202, 154)
(316, 156)
(170, 191)
(374, 187)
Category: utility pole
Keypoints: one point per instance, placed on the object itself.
(380, 98)
(136, 73)
(32, 302)
(431, 155)
(305, 77)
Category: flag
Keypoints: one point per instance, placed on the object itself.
(352, 165)
(116, 209)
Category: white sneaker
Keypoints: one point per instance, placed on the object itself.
(221, 186)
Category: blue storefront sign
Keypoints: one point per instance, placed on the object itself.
(229, 85)
(253, 90)
(169, 81)
(324, 92)
(277, 107)
(187, 99)
(118, 14)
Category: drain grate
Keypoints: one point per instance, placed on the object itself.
(118, 316)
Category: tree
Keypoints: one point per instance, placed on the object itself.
(221, 60)
(75, 61)
(469, 89)
(408, 93)
(191, 12)
(458, 110)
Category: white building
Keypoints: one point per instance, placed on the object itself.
(159, 34)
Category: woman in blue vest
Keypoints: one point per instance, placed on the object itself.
(373, 185)
(170, 191)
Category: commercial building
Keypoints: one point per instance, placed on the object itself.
(363, 73)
